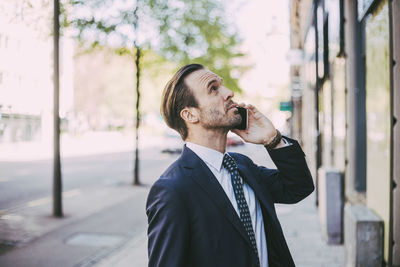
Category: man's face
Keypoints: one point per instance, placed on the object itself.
(216, 109)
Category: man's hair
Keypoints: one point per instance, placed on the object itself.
(176, 96)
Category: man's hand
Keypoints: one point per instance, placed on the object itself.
(260, 129)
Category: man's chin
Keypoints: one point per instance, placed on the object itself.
(236, 122)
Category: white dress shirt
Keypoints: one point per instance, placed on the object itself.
(213, 160)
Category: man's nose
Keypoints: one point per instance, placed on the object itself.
(228, 93)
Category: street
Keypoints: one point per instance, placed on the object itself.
(23, 182)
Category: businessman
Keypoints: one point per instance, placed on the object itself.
(211, 208)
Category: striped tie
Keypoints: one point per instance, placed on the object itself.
(230, 164)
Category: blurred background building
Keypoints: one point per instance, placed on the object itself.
(26, 87)
(345, 83)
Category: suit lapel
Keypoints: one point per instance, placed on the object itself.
(198, 171)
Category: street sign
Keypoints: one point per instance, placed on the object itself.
(285, 106)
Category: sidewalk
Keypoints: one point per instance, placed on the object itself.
(300, 224)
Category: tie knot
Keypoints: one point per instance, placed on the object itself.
(229, 163)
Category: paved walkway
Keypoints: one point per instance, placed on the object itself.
(300, 223)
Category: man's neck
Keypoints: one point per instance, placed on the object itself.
(211, 139)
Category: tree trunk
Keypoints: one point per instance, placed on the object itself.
(137, 125)
(57, 182)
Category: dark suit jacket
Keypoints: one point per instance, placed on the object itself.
(191, 221)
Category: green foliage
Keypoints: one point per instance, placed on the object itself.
(182, 31)
(195, 31)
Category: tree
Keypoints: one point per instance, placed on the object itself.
(38, 16)
(57, 179)
(181, 30)
(196, 31)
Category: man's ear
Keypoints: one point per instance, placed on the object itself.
(189, 115)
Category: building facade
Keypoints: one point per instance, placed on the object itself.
(349, 102)
(26, 72)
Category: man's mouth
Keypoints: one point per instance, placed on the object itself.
(233, 105)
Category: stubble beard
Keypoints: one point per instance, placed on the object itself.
(215, 119)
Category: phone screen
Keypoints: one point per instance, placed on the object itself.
(243, 114)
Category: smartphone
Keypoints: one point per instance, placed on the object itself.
(243, 114)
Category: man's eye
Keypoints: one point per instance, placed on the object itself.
(214, 88)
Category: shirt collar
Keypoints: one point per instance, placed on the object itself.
(208, 155)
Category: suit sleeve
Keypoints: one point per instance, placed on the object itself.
(167, 227)
(292, 180)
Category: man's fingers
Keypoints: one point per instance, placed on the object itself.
(248, 106)
(251, 107)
